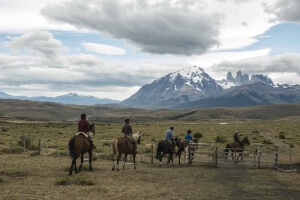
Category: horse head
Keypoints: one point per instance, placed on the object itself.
(137, 136)
(178, 142)
(92, 128)
(246, 141)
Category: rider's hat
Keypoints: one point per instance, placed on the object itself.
(236, 132)
(171, 127)
(127, 119)
(189, 131)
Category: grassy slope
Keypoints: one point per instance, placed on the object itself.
(52, 111)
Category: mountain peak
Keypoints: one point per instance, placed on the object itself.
(188, 73)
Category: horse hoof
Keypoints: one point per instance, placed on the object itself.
(134, 167)
(113, 169)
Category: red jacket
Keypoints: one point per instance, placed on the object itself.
(83, 126)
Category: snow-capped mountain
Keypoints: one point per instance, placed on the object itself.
(186, 85)
(71, 98)
(243, 79)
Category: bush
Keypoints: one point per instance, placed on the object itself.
(255, 131)
(4, 129)
(254, 138)
(2, 180)
(267, 142)
(26, 138)
(198, 135)
(292, 146)
(220, 139)
(282, 135)
(14, 150)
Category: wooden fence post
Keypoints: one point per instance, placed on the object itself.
(151, 153)
(254, 155)
(47, 146)
(216, 156)
(24, 142)
(189, 154)
(40, 147)
(258, 154)
(276, 158)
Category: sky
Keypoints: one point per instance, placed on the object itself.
(110, 48)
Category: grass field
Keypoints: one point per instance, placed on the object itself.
(28, 176)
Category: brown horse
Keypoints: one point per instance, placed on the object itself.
(181, 147)
(122, 145)
(236, 147)
(79, 145)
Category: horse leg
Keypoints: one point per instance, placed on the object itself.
(90, 160)
(118, 160)
(160, 158)
(81, 156)
(113, 160)
(171, 157)
(179, 155)
(71, 169)
(76, 171)
(124, 161)
(134, 155)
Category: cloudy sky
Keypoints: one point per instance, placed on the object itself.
(110, 48)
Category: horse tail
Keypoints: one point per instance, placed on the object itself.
(226, 150)
(73, 153)
(115, 147)
(158, 150)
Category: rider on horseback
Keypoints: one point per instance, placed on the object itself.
(170, 136)
(188, 137)
(127, 131)
(237, 139)
(84, 126)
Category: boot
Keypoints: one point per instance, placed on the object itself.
(92, 144)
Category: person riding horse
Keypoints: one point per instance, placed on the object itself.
(127, 132)
(169, 136)
(188, 137)
(84, 127)
(237, 139)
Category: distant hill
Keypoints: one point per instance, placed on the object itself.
(71, 98)
(31, 110)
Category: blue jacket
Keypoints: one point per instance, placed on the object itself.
(188, 137)
(169, 135)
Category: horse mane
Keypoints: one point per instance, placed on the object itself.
(137, 136)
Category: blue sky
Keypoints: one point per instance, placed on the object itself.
(115, 47)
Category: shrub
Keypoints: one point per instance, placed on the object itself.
(282, 135)
(267, 142)
(220, 139)
(26, 138)
(255, 131)
(2, 180)
(198, 135)
(14, 150)
(254, 138)
(4, 129)
(292, 146)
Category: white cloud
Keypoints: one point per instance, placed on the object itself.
(160, 27)
(42, 42)
(284, 10)
(103, 49)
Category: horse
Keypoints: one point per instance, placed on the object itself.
(164, 147)
(181, 147)
(236, 147)
(80, 144)
(122, 145)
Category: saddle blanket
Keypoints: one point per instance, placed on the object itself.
(129, 139)
(82, 133)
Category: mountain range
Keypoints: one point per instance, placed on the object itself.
(192, 87)
(71, 98)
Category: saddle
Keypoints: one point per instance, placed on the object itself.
(169, 141)
(84, 134)
(129, 139)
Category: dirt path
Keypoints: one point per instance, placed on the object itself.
(268, 134)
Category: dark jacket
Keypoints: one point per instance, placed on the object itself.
(127, 130)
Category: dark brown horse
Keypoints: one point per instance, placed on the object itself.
(235, 147)
(80, 145)
(122, 145)
(182, 146)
